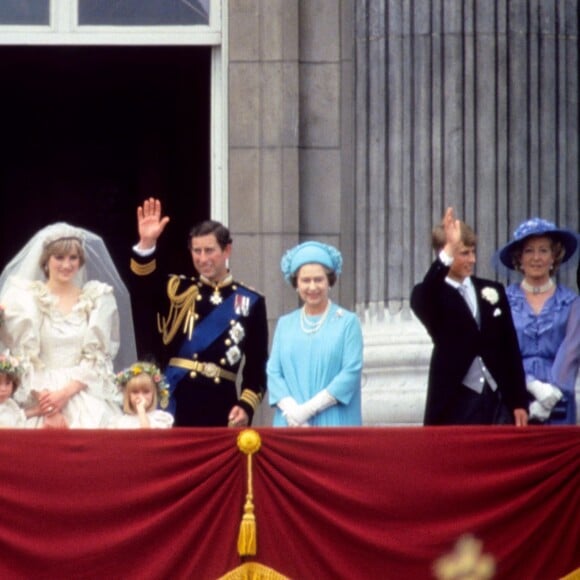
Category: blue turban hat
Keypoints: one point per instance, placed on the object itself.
(310, 253)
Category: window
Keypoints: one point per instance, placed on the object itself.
(143, 12)
(175, 22)
(25, 12)
(134, 23)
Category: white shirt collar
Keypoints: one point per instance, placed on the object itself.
(467, 283)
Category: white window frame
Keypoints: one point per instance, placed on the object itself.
(63, 30)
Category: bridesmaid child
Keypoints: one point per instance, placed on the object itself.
(143, 386)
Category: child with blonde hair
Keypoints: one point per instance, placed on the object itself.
(143, 387)
(11, 415)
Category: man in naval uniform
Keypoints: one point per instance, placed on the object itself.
(206, 324)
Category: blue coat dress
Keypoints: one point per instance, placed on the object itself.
(302, 364)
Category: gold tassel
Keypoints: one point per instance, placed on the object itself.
(247, 537)
(181, 311)
(249, 443)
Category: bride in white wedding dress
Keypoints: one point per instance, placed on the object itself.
(66, 328)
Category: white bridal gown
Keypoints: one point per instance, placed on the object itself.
(55, 348)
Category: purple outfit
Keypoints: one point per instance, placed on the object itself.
(550, 344)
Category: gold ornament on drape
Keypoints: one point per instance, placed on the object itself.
(254, 571)
(249, 442)
(466, 561)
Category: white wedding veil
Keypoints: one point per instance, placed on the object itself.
(98, 266)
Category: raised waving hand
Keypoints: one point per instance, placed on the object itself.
(150, 224)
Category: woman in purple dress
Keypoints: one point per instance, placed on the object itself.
(547, 318)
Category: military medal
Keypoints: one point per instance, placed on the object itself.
(216, 297)
(241, 305)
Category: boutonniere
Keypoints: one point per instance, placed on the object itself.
(497, 312)
(490, 294)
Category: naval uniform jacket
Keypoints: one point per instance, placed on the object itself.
(227, 334)
(457, 340)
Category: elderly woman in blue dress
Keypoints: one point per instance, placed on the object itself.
(547, 318)
(314, 370)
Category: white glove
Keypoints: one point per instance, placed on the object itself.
(320, 402)
(289, 408)
(545, 393)
(538, 412)
(299, 415)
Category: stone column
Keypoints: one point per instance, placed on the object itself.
(462, 103)
(290, 139)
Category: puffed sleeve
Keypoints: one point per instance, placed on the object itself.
(101, 341)
(20, 330)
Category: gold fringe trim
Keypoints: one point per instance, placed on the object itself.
(253, 399)
(181, 311)
(574, 575)
(253, 571)
(143, 269)
(249, 442)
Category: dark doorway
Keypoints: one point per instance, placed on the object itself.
(87, 133)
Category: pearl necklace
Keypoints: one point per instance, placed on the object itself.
(537, 289)
(310, 327)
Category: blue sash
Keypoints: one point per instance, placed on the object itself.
(204, 334)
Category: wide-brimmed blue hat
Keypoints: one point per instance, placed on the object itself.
(538, 227)
(310, 253)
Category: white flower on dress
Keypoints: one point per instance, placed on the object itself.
(490, 294)
(237, 333)
(233, 354)
(497, 312)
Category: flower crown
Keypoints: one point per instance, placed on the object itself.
(124, 376)
(10, 365)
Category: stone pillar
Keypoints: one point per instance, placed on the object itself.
(263, 121)
(290, 140)
(463, 103)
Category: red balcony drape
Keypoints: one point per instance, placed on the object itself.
(358, 503)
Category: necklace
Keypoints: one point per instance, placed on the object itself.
(537, 289)
(216, 298)
(310, 327)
